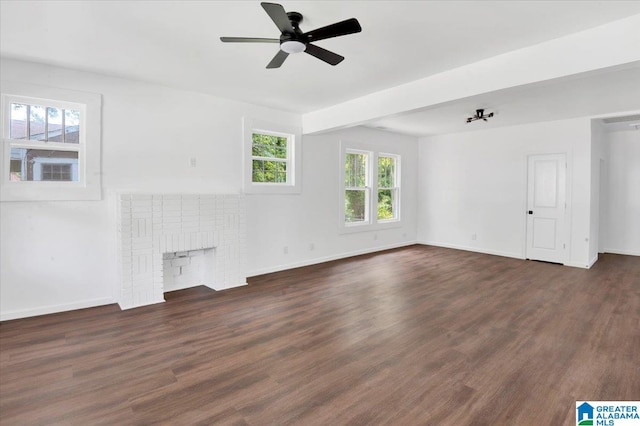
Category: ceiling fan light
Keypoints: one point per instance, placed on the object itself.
(292, 46)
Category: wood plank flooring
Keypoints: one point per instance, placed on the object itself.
(420, 335)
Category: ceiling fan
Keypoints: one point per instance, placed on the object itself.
(479, 116)
(293, 40)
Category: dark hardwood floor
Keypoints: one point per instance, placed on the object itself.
(419, 335)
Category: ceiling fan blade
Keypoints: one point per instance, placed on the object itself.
(278, 16)
(278, 59)
(349, 26)
(324, 54)
(248, 40)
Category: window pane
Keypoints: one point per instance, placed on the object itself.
(54, 171)
(280, 172)
(385, 204)
(258, 149)
(258, 171)
(355, 205)
(54, 117)
(37, 123)
(43, 164)
(15, 170)
(386, 172)
(42, 123)
(269, 171)
(355, 170)
(269, 146)
(18, 121)
(71, 126)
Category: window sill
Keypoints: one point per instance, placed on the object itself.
(271, 188)
(367, 227)
(48, 191)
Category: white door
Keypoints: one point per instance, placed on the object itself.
(546, 206)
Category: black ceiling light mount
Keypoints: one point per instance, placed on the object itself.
(479, 116)
(293, 40)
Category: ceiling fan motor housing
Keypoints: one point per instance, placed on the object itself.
(295, 18)
(293, 42)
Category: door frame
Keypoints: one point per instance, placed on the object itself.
(568, 199)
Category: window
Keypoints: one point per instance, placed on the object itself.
(370, 188)
(387, 187)
(356, 187)
(272, 158)
(44, 123)
(52, 171)
(32, 158)
(51, 144)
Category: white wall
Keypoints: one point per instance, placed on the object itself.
(57, 256)
(297, 221)
(476, 183)
(622, 211)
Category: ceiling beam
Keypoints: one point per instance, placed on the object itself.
(606, 46)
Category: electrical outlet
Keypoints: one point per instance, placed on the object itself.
(474, 237)
(285, 250)
(311, 246)
(375, 236)
(192, 162)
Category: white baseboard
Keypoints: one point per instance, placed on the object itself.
(624, 252)
(505, 254)
(474, 249)
(53, 309)
(328, 258)
(577, 265)
(582, 265)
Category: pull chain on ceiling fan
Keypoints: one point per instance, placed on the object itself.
(293, 40)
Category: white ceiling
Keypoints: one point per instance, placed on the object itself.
(176, 43)
(591, 94)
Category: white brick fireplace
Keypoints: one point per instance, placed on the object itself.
(154, 228)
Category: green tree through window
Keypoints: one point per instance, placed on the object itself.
(269, 156)
(387, 190)
(356, 187)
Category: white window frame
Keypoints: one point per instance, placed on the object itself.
(372, 222)
(88, 185)
(293, 185)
